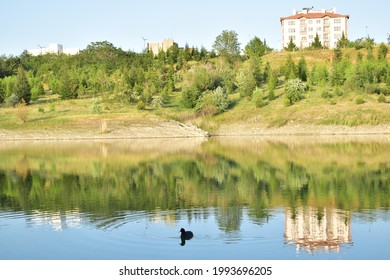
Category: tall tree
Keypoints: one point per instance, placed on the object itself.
(255, 47)
(316, 44)
(302, 69)
(226, 45)
(23, 88)
(291, 46)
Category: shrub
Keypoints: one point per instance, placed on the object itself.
(326, 94)
(382, 98)
(141, 105)
(12, 100)
(271, 94)
(359, 100)
(41, 110)
(258, 98)
(294, 90)
(338, 91)
(221, 99)
(21, 111)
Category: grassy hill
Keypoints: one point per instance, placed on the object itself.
(320, 106)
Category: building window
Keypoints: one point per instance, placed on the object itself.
(337, 28)
(337, 20)
(304, 39)
(311, 29)
(291, 37)
(303, 21)
(291, 30)
(326, 36)
(319, 29)
(291, 22)
(311, 37)
(318, 21)
(310, 21)
(337, 36)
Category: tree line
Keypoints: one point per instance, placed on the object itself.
(202, 79)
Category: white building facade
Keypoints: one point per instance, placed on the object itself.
(303, 26)
(53, 49)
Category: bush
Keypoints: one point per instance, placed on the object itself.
(141, 105)
(359, 100)
(12, 100)
(221, 99)
(258, 98)
(326, 94)
(338, 91)
(382, 98)
(190, 96)
(271, 94)
(294, 90)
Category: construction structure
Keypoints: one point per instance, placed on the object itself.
(303, 26)
(155, 48)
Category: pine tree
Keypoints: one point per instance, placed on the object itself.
(23, 88)
(316, 43)
(291, 46)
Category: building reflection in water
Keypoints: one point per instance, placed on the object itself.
(56, 220)
(313, 229)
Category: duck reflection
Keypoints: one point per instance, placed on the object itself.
(185, 235)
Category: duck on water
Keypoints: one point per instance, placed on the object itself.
(185, 235)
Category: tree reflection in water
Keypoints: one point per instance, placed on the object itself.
(319, 183)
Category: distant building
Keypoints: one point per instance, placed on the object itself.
(155, 48)
(53, 49)
(303, 26)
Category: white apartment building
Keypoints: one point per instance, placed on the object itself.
(53, 49)
(303, 26)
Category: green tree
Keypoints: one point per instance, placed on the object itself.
(246, 81)
(316, 44)
(23, 88)
(343, 42)
(227, 46)
(302, 69)
(67, 86)
(289, 69)
(382, 51)
(337, 54)
(291, 47)
(221, 99)
(256, 47)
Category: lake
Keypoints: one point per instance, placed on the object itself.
(276, 198)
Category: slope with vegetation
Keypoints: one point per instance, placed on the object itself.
(218, 91)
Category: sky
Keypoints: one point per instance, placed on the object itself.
(25, 24)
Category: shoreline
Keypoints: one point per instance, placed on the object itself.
(173, 129)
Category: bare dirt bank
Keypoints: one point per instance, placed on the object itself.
(107, 129)
(298, 129)
(111, 129)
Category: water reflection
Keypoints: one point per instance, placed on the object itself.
(314, 229)
(320, 184)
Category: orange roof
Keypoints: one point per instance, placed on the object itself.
(315, 15)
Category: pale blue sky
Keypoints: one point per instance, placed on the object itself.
(76, 23)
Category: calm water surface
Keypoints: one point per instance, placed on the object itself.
(244, 198)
